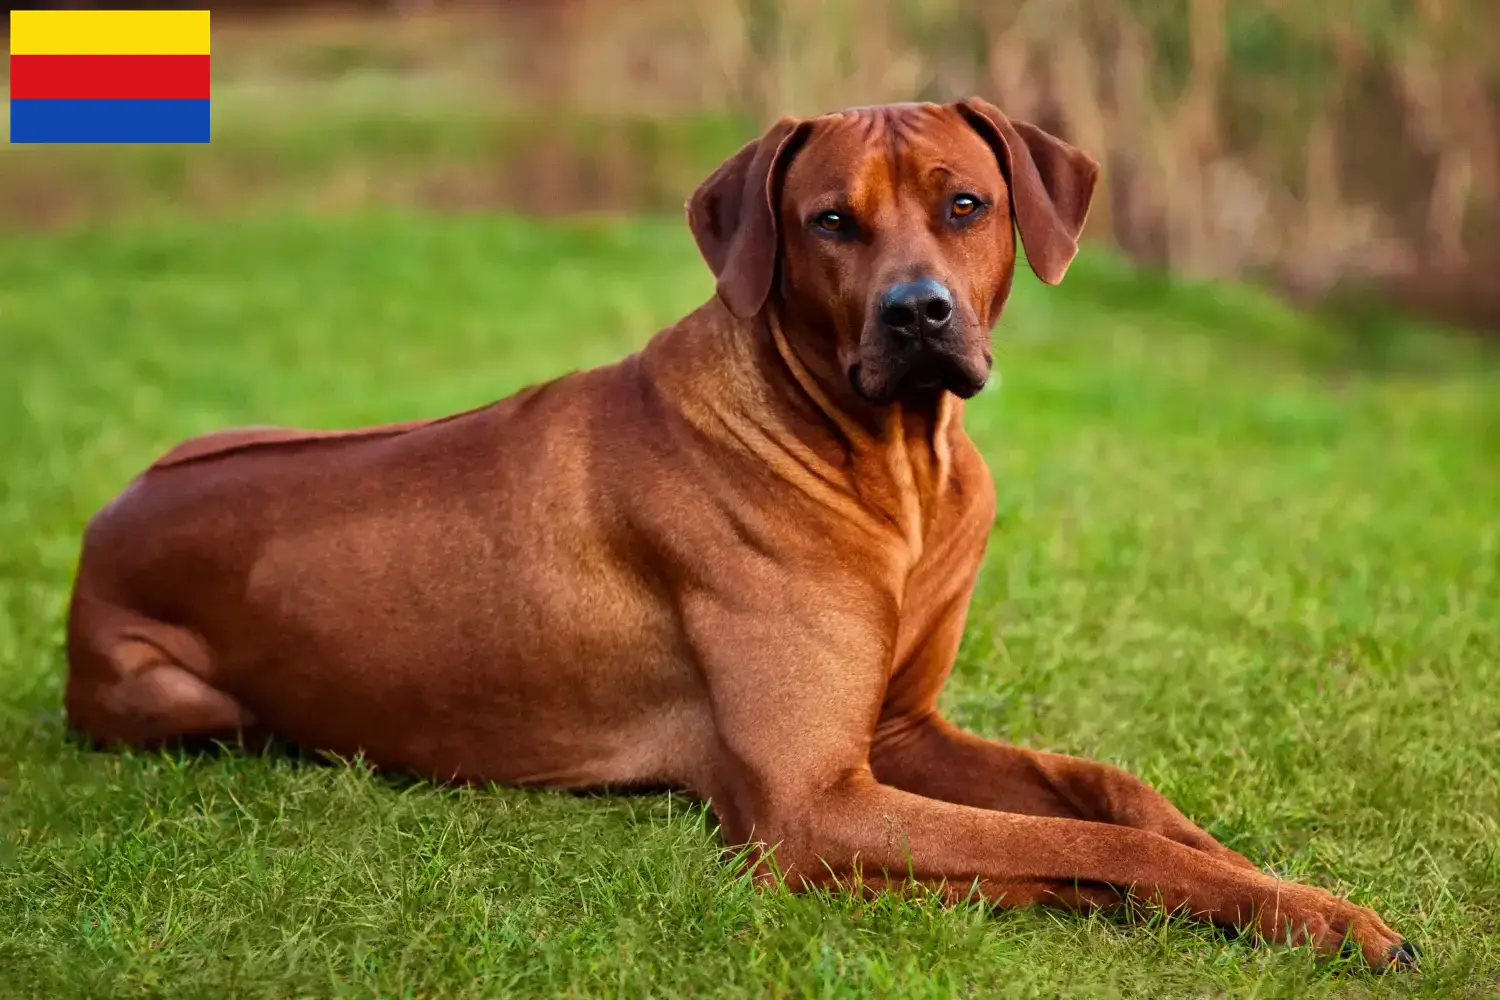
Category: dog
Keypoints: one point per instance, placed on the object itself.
(737, 562)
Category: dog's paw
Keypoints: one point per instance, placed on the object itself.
(1310, 916)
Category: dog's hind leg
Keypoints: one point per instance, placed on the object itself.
(140, 682)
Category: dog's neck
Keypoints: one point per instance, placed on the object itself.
(896, 458)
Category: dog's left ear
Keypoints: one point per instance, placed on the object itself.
(1051, 186)
(733, 216)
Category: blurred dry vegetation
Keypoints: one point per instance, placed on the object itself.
(1324, 146)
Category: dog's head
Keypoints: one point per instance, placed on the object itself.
(893, 229)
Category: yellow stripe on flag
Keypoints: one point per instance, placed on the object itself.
(109, 33)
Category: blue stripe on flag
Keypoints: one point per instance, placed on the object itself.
(109, 121)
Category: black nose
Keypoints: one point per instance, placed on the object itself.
(916, 309)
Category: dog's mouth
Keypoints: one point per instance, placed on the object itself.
(919, 371)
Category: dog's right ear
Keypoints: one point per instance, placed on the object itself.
(733, 213)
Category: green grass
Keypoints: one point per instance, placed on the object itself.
(1255, 563)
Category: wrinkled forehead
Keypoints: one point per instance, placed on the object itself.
(868, 154)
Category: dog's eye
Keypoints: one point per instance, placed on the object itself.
(831, 222)
(964, 204)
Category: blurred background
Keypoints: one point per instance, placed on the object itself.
(1245, 461)
(1337, 150)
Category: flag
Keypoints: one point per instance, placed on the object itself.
(109, 76)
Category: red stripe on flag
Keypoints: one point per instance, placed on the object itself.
(109, 77)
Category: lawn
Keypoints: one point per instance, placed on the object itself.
(1253, 560)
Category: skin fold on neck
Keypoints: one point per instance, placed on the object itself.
(899, 454)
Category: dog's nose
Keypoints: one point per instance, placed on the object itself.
(916, 309)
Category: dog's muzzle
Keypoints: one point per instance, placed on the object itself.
(918, 343)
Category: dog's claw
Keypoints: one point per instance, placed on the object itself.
(1405, 955)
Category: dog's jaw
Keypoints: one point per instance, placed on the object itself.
(883, 374)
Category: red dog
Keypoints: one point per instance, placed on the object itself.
(737, 562)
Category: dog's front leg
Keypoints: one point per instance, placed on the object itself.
(932, 757)
(796, 676)
(919, 751)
